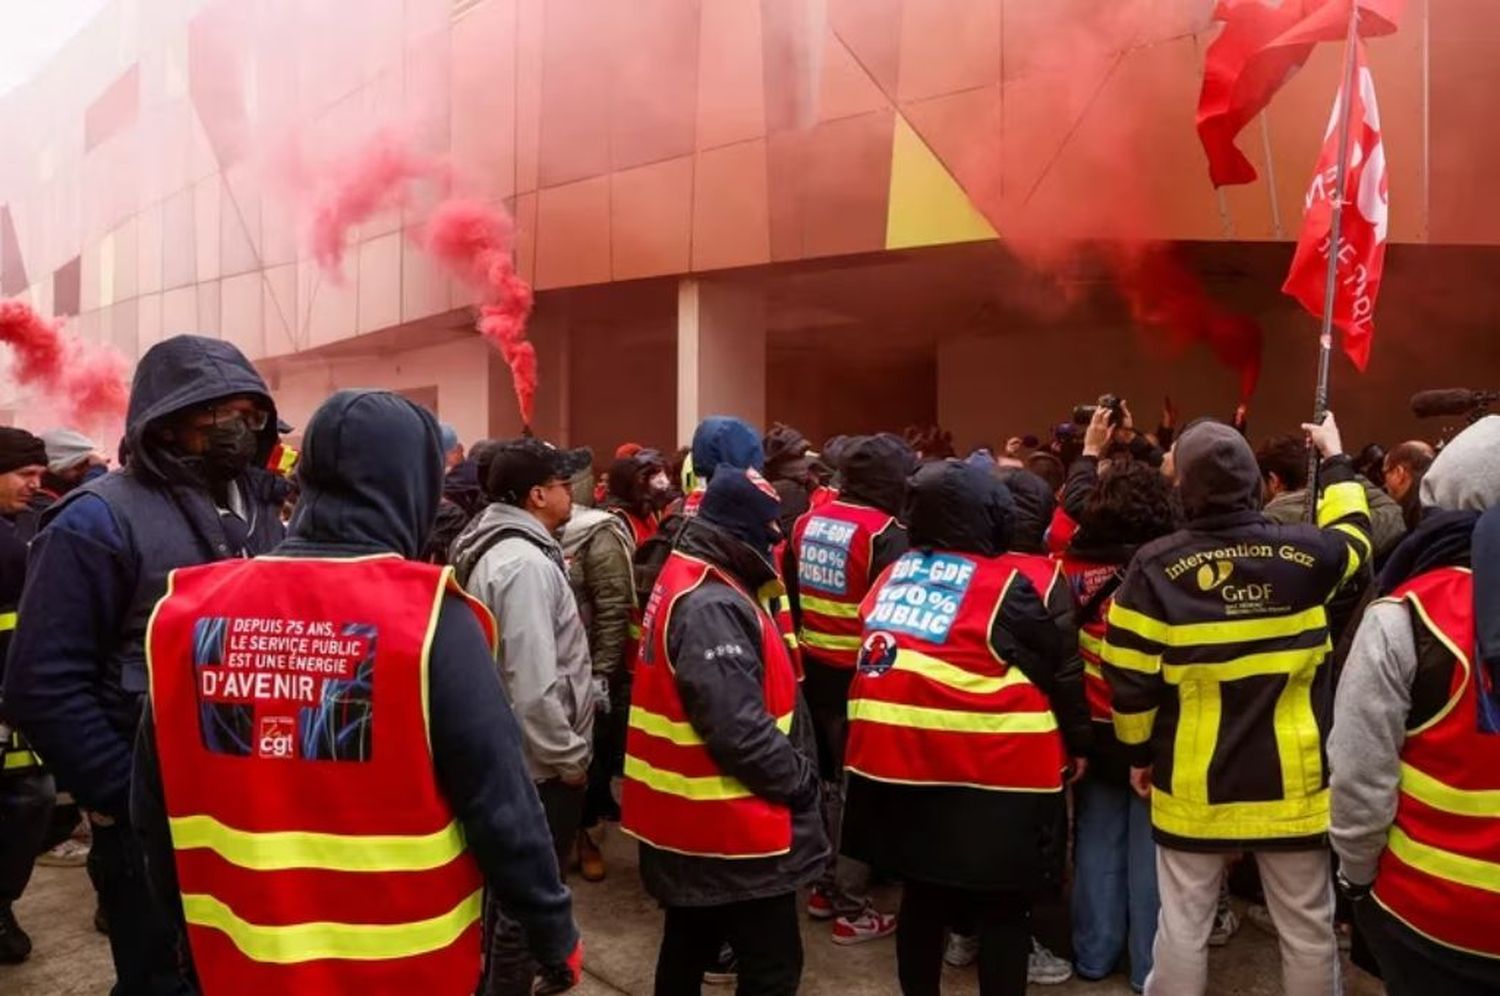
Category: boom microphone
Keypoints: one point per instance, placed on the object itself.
(1453, 401)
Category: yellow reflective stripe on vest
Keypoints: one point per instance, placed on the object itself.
(1134, 727)
(1443, 864)
(705, 788)
(1269, 820)
(7, 621)
(682, 734)
(1286, 662)
(824, 607)
(282, 850)
(940, 671)
(1093, 671)
(1219, 632)
(824, 641)
(1440, 795)
(950, 720)
(1127, 659)
(1091, 644)
(293, 943)
(1239, 821)
(15, 759)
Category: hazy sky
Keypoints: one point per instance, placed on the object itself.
(32, 31)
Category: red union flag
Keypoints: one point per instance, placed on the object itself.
(1362, 227)
(1264, 42)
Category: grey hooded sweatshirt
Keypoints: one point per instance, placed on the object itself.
(509, 562)
(1374, 699)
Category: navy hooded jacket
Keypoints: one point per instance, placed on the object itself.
(371, 475)
(76, 676)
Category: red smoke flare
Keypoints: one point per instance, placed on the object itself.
(474, 240)
(88, 383)
(373, 179)
(1163, 294)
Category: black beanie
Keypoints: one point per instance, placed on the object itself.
(19, 448)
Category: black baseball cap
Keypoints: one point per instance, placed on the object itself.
(522, 464)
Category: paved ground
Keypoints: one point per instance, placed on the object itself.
(621, 929)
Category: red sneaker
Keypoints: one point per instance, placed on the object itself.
(870, 925)
(819, 904)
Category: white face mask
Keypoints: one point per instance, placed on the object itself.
(661, 482)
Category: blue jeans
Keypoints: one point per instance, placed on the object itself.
(1115, 901)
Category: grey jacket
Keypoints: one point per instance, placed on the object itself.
(509, 562)
(1374, 699)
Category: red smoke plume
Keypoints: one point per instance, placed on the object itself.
(375, 178)
(474, 240)
(88, 384)
(1163, 294)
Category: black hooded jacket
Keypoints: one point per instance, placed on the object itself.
(874, 469)
(972, 838)
(371, 472)
(722, 694)
(1233, 587)
(77, 674)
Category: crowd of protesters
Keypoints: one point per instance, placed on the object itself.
(1130, 675)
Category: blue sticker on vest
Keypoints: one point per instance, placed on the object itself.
(276, 688)
(823, 559)
(922, 596)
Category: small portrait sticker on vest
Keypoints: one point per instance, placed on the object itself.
(877, 655)
(823, 561)
(923, 595)
(285, 688)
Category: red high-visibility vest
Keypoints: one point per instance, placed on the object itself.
(1086, 579)
(1440, 870)
(931, 702)
(675, 796)
(835, 548)
(315, 851)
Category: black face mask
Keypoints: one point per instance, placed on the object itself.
(228, 450)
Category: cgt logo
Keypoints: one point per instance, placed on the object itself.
(277, 738)
(1212, 575)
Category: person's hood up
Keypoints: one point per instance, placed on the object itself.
(183, 372)
(875, 470)
(953, 506)
(786, 453)
(733, 442)
(496, 521)
(1216, 471)
(1035, 503)
(582, 484)
(371, 474)
(461, 486)
(1466, 474)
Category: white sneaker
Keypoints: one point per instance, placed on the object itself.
(69, 854)
(1226, 925)
(1045, 968)
(961, 951)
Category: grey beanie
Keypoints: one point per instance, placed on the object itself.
(67, 448)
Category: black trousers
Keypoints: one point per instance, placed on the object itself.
(26, 801)
(1411, 965)
(509, 968)
(1003, 921)
(609, 753)
(763, 933)
(142, 940)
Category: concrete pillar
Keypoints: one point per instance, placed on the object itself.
(721, 353)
